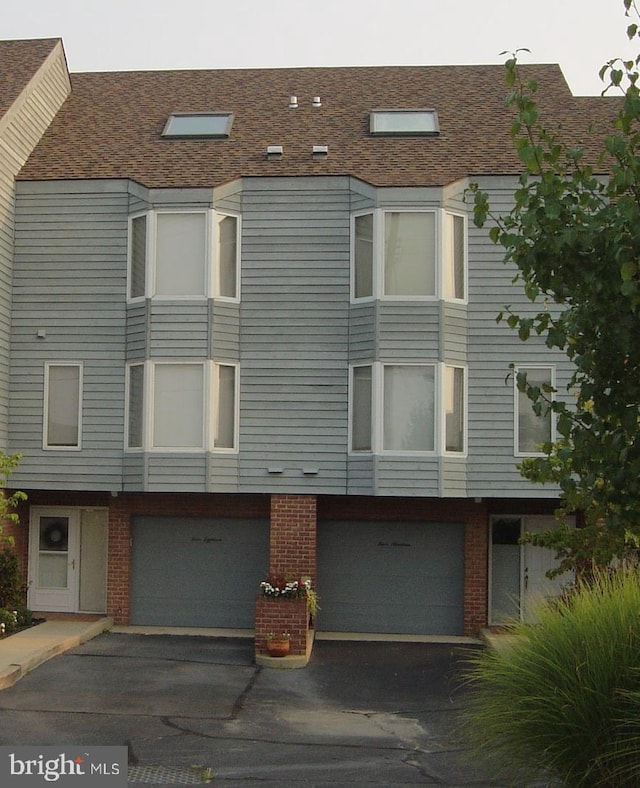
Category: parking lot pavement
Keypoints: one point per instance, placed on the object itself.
(375, 713)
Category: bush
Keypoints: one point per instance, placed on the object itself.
(563, 696)
(11, 582)
(9, 619)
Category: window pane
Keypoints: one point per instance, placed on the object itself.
(361, 409)
(138, 256)
(136, 383)
(454, 408)
(409, 260)
(533, 430)
(227, 256)
(199, 125)
(454, 256)
(408, 417)
(178, 403)
(225, 408)
(363, 263)
(404, 122)
(63, 406)
(180, 254)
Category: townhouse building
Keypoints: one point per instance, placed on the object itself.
(247, 325)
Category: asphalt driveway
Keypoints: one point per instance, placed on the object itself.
(375, 713)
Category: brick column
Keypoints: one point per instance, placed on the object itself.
(476, 570)
(119, 561)
(292, 553)
(292, 547)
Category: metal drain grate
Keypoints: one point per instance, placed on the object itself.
(173, 775)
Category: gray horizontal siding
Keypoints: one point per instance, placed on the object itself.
(409, 331)
(179, 329)
(407, 476)
(69, 284)
(493, 347)
(294, 335)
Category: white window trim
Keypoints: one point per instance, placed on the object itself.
(377, 411)
(361, 452)
(516, 408)
(210, 376)
(150, 399)
(441, 257)
(127, 404)
(374, 263)
(465, 406)
(147, 256)
(378, 274)
(211, 285)
(152, 230)
(213, 406)
(214, 252)
(45, 415)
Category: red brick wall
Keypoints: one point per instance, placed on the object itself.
(293, 536)
(282, 615)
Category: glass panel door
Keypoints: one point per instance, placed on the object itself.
(53, 560)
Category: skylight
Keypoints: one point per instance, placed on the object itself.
(404, 122)
(198, 124)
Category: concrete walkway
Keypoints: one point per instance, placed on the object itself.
(25, 650)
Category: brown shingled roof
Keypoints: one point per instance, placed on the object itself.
(19, 60)
(111, 125)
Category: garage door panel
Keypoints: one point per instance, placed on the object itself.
(402, 578)
(197, 572)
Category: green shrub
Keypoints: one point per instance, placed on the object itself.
(11, 582)
(9, 619)
(24, 616)
(563, 696)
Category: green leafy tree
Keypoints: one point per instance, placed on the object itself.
(574, 237)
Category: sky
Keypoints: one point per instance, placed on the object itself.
(121, 35)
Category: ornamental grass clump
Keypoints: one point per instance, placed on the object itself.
(563, 696)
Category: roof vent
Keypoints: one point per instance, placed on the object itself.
(316, 101)
(293, 102)
(274, 151)
(320, 150)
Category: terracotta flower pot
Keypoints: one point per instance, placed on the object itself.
(278, 648)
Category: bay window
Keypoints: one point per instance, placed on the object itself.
(184, 254)
(408, 254)
(182, 406)
(394, 408)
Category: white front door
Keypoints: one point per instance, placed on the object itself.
(537, 561)
(519, 579)
(67, 559)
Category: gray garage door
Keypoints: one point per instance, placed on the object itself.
(385, 577)
(197, 572)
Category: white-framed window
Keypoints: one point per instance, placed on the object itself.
(225, 402)
(62, 406)
(184, 254)
(182, 406)
(407, 408)
(408, 253)
(361, 408)
(454, 408)
(532, 430)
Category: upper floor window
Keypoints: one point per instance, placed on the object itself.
(182, 406)
(184, 254)
(394, 408)
(409, 254)
(62, 406)
(532, 430)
